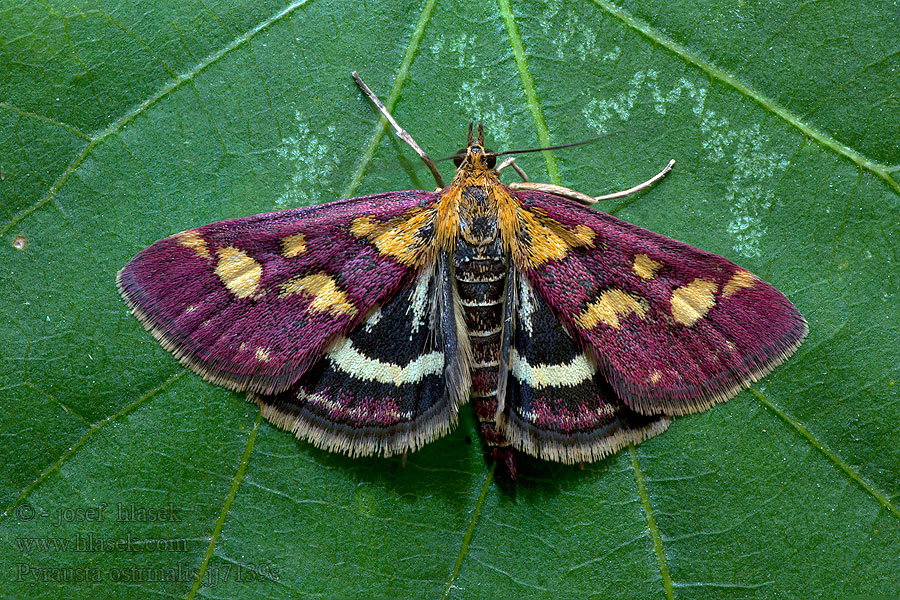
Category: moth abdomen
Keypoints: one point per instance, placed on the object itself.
(481, 284)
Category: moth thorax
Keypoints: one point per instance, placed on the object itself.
(478, 216)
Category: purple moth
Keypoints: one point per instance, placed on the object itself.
(364, 324)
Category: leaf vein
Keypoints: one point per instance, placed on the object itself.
(136, 38)
(81, 441)
(134, 112)
(24, 113)
(880, 496)
(61, 404)
(859, 552)
(229, 500)
(534, 103)
(470, 530)
(769, 104)
(640, 480)
(411, 49)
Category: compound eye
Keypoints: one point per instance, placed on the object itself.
(490, 158)
(459, 157)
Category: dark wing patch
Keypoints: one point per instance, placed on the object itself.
(382, 389)
(557, 406)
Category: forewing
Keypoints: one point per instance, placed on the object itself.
(558, 407)
(386, 387)
(674, 329)
(252, 303)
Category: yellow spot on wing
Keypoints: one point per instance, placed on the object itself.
(191, 239)
(611, 305)
(645, 267)
(362, 226)
(537, 238)
(691, 302)
(655, 377)
(293, 245)
(262, 355)
(324, 291)
(238, 271)
(407, 238)
(402, 238)
(584, 234)
(741, 279)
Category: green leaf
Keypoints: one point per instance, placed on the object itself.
(125, 476)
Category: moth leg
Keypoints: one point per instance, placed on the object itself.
(401, 133)
(557, 190)
(640, 186)
(511, 162)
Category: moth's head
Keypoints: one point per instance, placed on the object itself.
(475, 155)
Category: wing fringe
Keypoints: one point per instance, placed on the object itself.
(580, 447)
(243, 383)
(363, 441)
(685, 405)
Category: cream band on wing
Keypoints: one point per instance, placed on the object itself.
(349, 360)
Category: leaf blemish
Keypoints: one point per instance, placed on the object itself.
(748, 193)
(566, 33)
(313, 161)
(19, 243)
(473, 99)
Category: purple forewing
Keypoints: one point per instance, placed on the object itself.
(266, 340)
(654, 361)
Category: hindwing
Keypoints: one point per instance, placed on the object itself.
(558, 407)
(389, 386)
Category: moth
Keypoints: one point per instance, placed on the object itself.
(363, 325)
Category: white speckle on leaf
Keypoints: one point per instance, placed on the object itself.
(613, 55)
(484, 106)
(475, 97)
(599, 110)
(749, 192)
(313, 163)
(567, 33)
